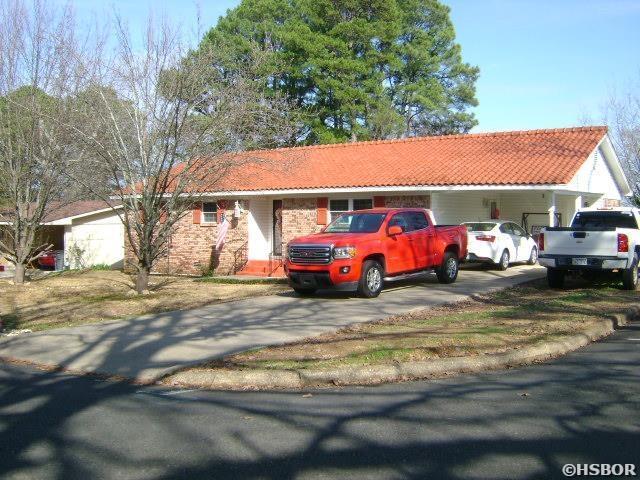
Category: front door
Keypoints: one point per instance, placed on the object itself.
(276, 223)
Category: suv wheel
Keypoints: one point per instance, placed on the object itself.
(371, 279)
(555, 277)
(448, 270)
(630, 275)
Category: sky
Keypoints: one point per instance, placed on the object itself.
(543, 63)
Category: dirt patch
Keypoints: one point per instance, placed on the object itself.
(491, 324)
(75, 298)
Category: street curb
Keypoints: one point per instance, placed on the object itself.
(260, 379)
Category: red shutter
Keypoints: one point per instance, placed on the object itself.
(197, 213)
(378, 202)
(323, 205)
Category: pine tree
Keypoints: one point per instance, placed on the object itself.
(359, 69)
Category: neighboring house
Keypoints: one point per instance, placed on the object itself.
(89, 232)
(534, 178)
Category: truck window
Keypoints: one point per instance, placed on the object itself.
(604, 219)
(417, 221)
(401, 220)
(356, 223)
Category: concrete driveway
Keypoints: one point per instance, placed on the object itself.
(148, 347)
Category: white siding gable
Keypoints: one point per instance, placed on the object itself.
(595, 177)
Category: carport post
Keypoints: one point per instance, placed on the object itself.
(552, 209)
(578, 204)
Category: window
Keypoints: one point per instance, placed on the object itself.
(362, 204)
(356, 222)
(209, 212)
(417, 221)
(506, 228)
(517, 230)
(338, 206)
(400, 220)
(409, 221)
(479, 227)
(604, 219)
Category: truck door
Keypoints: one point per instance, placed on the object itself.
(400, 250)
(421, 238)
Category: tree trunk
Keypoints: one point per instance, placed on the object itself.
(142, 280)
(18, 274)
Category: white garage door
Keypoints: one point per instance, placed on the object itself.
(96, 240)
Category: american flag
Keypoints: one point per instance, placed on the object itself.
(223, 228)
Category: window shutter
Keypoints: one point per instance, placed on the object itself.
(378, 202)
(323, 204)
(197, 213)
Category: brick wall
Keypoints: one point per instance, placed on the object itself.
(408, 201)
(299, 217)
(192, 247)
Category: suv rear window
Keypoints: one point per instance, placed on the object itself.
(604, 219)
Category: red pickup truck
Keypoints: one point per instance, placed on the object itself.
(359, 249)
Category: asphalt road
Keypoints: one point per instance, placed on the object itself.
(520, 423)
(148, 347)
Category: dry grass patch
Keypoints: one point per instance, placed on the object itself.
(493, 323)
(74, 298)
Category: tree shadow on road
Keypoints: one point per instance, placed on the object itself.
(520, 423)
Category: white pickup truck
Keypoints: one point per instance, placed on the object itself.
(598, 240)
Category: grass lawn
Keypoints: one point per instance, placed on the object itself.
(79, 297)
(493, 323)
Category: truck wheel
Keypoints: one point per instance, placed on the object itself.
(448, 271)
(630, 275)
(555, 277)
(503, 263)
(370, 284)
(533, 258)
(304, 291)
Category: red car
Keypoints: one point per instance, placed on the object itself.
(48, 260)
(359, 249)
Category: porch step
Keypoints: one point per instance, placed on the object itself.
(263, 268)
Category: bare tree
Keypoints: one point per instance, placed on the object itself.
(166, 123)
(623, 117)
(36, 76)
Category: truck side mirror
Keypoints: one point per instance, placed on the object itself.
(394, 230)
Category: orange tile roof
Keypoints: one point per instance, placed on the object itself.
(533, 157)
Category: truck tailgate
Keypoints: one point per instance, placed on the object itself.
(577, 242)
